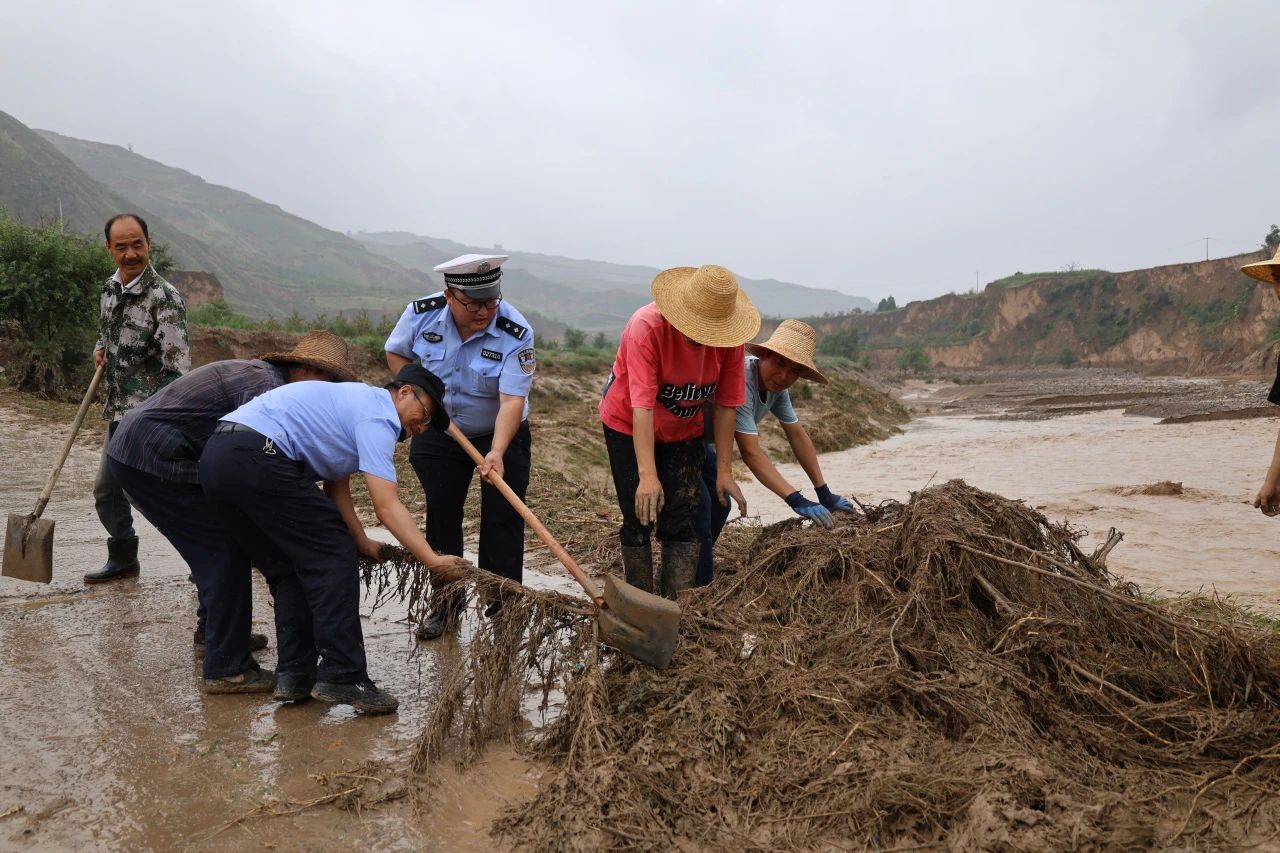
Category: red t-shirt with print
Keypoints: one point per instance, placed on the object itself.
(656, 368)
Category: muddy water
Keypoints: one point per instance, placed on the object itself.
(108, 742)
(1075, 468)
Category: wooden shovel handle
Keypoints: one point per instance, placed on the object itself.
(529, 518)
(43, 501)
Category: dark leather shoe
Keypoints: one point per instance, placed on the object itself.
(365, 696)
(293, 686)
(257, 642)
(252, 680)
(122, 561)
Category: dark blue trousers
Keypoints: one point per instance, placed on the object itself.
(278, 514)
(221, 570)
(712, 516)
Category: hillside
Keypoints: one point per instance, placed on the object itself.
(270, 261)
(37, 180)
(1186, 318)
(596, 295)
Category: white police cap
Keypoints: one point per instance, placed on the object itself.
(477, 276)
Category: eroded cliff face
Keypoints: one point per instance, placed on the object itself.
(197, 288)
(1203, 317)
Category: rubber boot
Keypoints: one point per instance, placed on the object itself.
(122, 561)
(679, 567)
(637, 566)
(442, 617)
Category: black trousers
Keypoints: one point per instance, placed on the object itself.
(680, 473)
(445, 471)
(280, 516)
(183, 515)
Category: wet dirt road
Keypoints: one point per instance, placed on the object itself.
(110, 744)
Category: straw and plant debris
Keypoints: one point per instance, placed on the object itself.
(953, 672)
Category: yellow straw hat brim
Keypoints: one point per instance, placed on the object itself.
(807, 370)
(795, 341)
(319, 349)
(1267, 271)
(691, 313)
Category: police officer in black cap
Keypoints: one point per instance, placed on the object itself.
(482, 348)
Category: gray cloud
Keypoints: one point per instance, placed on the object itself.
(873, 147)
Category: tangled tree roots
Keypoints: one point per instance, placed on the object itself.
(954, 672)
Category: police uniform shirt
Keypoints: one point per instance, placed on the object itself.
(498, 359)
(334, 428)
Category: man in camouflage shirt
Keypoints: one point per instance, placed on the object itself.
(142, 340)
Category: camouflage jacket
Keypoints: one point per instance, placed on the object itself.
(144, 332)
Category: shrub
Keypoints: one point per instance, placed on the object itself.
(50, 285)
(913, 360)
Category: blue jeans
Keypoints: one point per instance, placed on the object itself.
(711, 518)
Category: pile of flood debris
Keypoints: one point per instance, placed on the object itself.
(954, 671)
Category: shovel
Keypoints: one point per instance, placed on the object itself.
(631, 620)
(28, 541)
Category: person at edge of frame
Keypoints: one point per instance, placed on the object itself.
(155, 457)
(1268, 497)
(259, 470)
(771, 369)
(142, 346)
(675, 353)
(483, 350)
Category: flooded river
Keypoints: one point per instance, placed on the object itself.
(109, 743)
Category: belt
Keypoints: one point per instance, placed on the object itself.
(229, 426)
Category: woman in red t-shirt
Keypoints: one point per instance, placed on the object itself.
(675, 352)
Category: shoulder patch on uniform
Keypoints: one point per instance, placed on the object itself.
(512, 328)
(432, 337)
(492, 355)
(430, 303)
(528, 360)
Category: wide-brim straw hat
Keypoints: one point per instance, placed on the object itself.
(321, 350)
(706, 304)
(796, 342)
(1268, 271)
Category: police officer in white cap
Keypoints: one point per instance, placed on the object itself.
(482, 348)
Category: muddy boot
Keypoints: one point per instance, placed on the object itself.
(442, 617)
(637, 566)
(122, 561)
(679, 567)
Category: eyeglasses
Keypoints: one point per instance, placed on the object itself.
(426, 412)
(474, 306)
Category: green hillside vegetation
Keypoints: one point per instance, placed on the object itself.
(270, 262)
(37, 182)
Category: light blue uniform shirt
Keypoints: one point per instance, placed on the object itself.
(499, 359)
(334, 428)
(752, 412)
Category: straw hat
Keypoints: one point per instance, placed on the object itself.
(707, 305)
(794, 341)
(1268, 271)
(321, 350)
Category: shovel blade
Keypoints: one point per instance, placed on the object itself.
(639, 623)
(28, 549)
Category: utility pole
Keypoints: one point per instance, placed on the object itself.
(1206, 248)
(975, 280)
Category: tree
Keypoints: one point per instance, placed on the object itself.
(599, 341)
(1272, 241)
(913, 359)
(50, 285)
(886, 304)
(1067, 357)
(574, 339)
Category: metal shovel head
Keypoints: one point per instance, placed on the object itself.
(644, 625)
(28, 549)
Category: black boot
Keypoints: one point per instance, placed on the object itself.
(679, 567)
(637, 566)
(442, 617)
(122, 561)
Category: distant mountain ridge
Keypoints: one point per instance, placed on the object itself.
(596, 295)
(272, 263)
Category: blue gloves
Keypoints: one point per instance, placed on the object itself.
(835, 503)
(806, 508)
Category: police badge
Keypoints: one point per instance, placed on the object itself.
(528, 360)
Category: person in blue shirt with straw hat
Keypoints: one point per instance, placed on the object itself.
(259, 470)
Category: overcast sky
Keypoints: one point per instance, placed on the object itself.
(878, 148)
